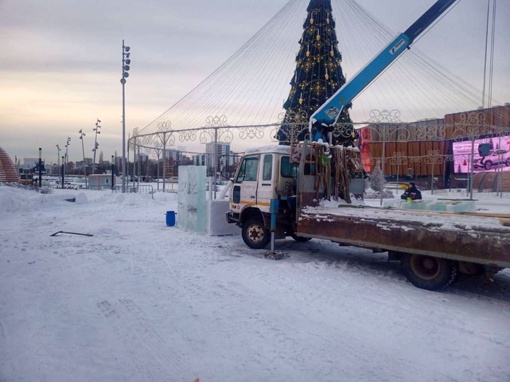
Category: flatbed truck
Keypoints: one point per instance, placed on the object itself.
(432, 246)
(284, 191)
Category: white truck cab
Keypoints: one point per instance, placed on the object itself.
(263, 174)
(272, 173)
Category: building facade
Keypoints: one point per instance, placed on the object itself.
(444, 151)
(223, 156)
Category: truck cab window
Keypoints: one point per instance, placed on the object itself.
(248, 170)
(287, 169)
(267, 172)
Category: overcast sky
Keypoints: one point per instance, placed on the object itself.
(60, 63)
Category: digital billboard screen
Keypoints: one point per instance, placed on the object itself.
(490, 154)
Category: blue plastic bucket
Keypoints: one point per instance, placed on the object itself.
(170, 218)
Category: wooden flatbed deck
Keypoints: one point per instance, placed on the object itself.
(470, 237)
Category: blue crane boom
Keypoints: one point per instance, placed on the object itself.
(322, 121)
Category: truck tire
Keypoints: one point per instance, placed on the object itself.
(427, 272)
(255, 235)
(488, 164)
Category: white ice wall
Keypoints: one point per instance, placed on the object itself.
(192, 210)
(217, 221)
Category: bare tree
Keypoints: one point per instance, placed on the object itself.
(377, 178)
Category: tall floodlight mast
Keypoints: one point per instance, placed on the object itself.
(126, 61)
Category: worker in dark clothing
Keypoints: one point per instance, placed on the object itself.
(411, 193)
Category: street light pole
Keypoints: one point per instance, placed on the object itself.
(63, 172)
(82, 134)
(40, 167)
(58, 160)
(126, 61)
(113, 172)
(66, 159)
(96, 145)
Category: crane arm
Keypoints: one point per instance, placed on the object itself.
(322, 121)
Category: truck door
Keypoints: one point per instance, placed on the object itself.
(244, 191)
(266, 183)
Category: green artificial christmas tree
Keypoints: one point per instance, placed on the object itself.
(317, 77)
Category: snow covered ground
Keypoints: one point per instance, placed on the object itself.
(140, 301)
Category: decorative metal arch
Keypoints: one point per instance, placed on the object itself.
(217, 130)
(384, 126)
(292, 127)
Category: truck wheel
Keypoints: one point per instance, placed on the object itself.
(254, 233)
(300, 239)
(428, 272)
(488, 165)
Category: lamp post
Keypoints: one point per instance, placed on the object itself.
(96, 145)
(63, 172)
(58, 160)
(82, 134)
(433, 157)
(113, 172)
(40, 167)
(126, 61)
(66, 159)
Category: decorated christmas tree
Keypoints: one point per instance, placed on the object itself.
(317, 77)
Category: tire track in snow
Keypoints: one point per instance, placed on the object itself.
(161, 350)
(3, 332)
(285, 337)
(142, 369)
(134, 332)
(280, 336)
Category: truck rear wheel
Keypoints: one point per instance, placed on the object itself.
(429, 272)
(255, 235)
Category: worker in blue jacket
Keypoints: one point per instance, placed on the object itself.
(411, 193)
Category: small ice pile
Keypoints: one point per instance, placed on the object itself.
(433, 205)
(453, 206)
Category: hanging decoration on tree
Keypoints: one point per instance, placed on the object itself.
(317, 77)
